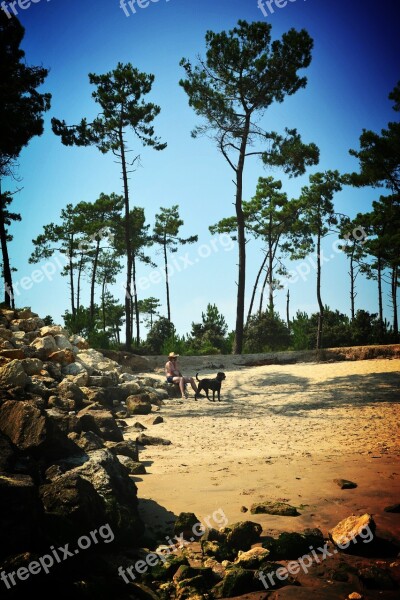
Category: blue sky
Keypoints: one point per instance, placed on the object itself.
(356, 45)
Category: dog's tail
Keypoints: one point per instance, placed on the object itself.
(197, 377)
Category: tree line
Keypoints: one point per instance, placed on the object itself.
(243, 74)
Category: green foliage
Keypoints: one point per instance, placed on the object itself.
(266, 332)
(48, 320)
(158, 335)
(209, 336)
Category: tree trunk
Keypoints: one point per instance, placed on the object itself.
(128, 294)
(103, 306)
(78, 284)
(8, 286)
(352, 288)
(321, 306)
(238, 343)
(135, 301)
(166, 277)
(270, 271)
(93, 282)
(262, 292)
(394, 302)
(287, 309)
(256, 286)
(71, 275)
(380, 303)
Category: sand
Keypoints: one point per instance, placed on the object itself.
(280, 433)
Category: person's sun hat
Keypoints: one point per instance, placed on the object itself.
(173, 355)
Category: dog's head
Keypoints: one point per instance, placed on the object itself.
(221, 376)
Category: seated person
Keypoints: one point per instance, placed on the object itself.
(174, 375)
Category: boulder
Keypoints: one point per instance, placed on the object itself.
(70, 391)
(242, 535)
(26, 313)
(345, 484)
(5, 334)
(67, 423)
(13, 353)
(100, 422)
(44, 346)
(125, 448)
(79, 342)
(136, 406)
(89, 441)
(62, 342)
(52, 330)
(375, 578)
(7, 453)
(112, 482)
(72, 505)
(13, 375)
(274, 508)
(92, 360)
(253, 558)
(236, 582)
(32, 324)
(64, 357)
(20, 514)
(147, 440)
(32, 366)
(185, 523)
(100, 381)
(131, 362)
(351, 529)
(31, 430)
(134, 468)
(291, 545)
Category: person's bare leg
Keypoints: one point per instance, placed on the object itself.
(182, 387)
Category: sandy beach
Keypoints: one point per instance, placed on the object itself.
(279, 433)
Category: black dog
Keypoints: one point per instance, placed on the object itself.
(211, 384)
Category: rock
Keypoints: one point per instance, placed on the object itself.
(62, 342)
(147, 440)
(100, 422)
(32, 324)
(113, 483)
(89, 441)
(129, 388)
(393, 508)
(156, 420)
(237, 581)
(62, 403)
(13, 354)
(20, 514)
(351, 529)
(53, 472)
(73, 506)
(375, 578)
(242, 535)
(64, 357)
(9, 315)
(92, 360)
(244, 509)
(79, 342)
(185, 523)
(125, 448)
(253, 558)
(32, 366)
(6, 334)
(355, 596)
(13, 375)
(75, 369)
(52, 330)
(134, 468)
(67, 423)
(8, 453)
(31, 430)
(166, 569)
(44, 346)
(136, 406)
(345, 484)
(133, 362)
(289, 546)
(274, 508)
(26, 313)
(100, 381)
(70, 391)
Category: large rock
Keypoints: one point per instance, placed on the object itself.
(76, 369)
(352, 530)
(79, 342)
(100, 422)
(64, 357)
(20, 514)
(70, 391)
(62, 342)
(126, 448)
(31, 324)
(13, 375)
(93, 361)
(274, 508)
(67, 423)
(31, 430)
(112, 482)
(134, 468)
(73, 506)
(44, 346)
(7, 453)
(291, 545)
(133, 362)
(32, 366)
(135, 405)
(243, 535)
(13, 353)
(52, 330)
